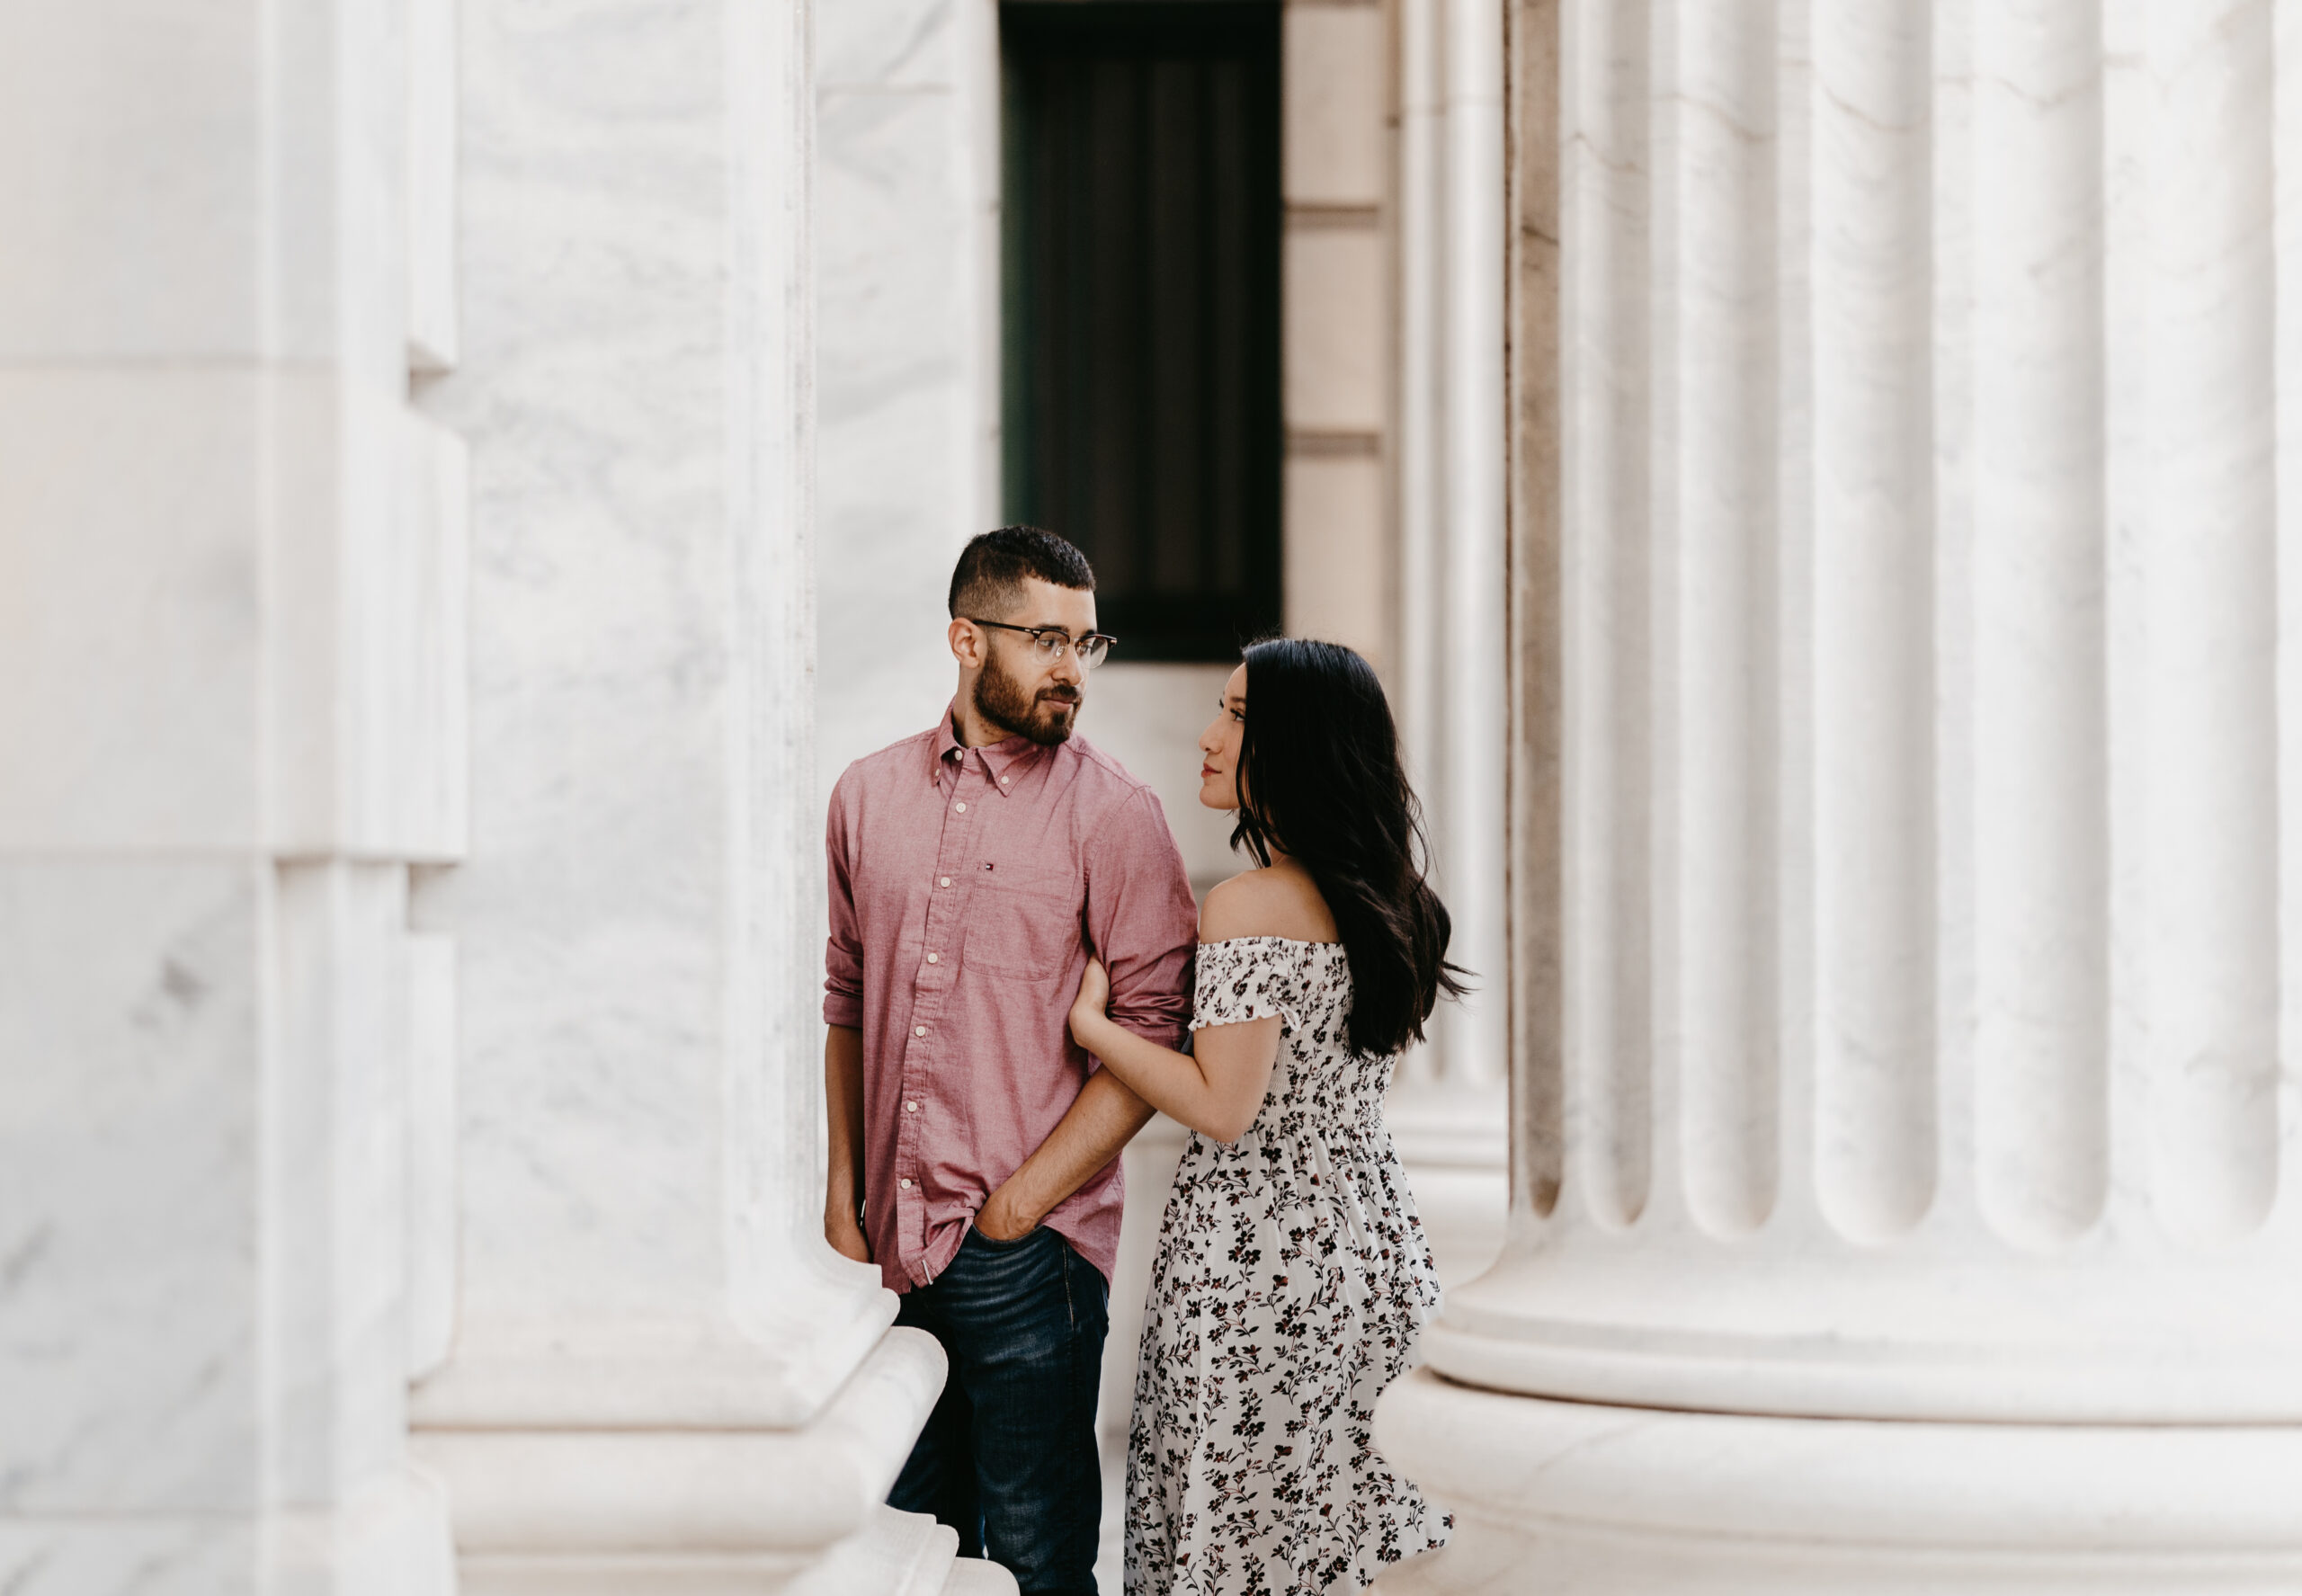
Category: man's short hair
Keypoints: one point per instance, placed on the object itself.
(988, 581)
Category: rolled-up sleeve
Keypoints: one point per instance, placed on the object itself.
(1141, 919)
(843, 948)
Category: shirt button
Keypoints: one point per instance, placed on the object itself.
(934, 958)
(962, 808)
(943, 881)
(919, 1030)
(906, 1184)
(1004, 780)
(911, 1107)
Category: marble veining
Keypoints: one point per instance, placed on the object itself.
(128, 1186)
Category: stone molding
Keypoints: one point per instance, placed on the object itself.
(668, 1487)
(1580, 1499)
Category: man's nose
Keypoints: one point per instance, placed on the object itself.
(1067, 669)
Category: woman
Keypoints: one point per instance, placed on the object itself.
(1292, 1278)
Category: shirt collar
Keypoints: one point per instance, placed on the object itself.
(1008, 760)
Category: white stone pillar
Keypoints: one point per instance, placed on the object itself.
(1448, 1111)
(230, 682)
(1929, 793)
(661, 1376)
(906, 201)
(1453, 564)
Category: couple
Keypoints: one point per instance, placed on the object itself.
(1008, 907)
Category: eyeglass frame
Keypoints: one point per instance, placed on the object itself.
(1076, 645)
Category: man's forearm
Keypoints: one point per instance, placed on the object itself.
(844, 1110)
(1101, 1120)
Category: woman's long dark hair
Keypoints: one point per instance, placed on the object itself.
(1320, 780)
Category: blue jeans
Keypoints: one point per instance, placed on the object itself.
(1008, 1456)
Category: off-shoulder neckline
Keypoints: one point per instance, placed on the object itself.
(1291, 941)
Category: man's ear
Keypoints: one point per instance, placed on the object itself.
(967, 641)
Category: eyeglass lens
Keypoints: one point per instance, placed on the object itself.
(1092, 647)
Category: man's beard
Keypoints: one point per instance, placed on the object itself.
(1046, 720)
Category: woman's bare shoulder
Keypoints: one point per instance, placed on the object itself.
(1277, 901)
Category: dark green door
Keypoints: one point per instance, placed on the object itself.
(1140, 313)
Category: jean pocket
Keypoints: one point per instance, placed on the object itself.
(976, 1238)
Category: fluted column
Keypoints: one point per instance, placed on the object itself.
(1448, 1111)
(1451, 591)
(1927, 789)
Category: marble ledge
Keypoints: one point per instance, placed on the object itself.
(2091, 1490)
(533, 1373)
(637, 1491)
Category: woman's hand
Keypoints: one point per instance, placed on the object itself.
(1087, 1009)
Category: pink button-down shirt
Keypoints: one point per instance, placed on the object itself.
(967, 886)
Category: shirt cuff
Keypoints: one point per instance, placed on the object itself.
(843, 1007)
(1174, 1035)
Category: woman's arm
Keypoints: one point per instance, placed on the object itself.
(1216, 1089)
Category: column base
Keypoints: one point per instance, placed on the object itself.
(734, 1507)
(1576, 1499)
(896, 1554)
(390, 1539)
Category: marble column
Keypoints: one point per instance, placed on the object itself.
(906, 241)
(1901, 1113)
(660, 1376)
(231, 605)
(1448, 1111)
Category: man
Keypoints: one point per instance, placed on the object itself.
(973, 1154)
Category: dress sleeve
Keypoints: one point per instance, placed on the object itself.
(1252, 978)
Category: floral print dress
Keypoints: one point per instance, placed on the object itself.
(1291, 1284)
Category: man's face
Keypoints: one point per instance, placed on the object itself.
(1019, 690)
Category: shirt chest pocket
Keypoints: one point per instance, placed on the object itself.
(1024, 921)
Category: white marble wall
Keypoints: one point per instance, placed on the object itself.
(1336, 347)
(1927, 791)
(907, 178)
(659, 1374)
(230, 687)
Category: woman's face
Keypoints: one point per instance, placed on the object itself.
(1219, 746)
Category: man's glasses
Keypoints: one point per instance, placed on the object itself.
(1052, 640)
